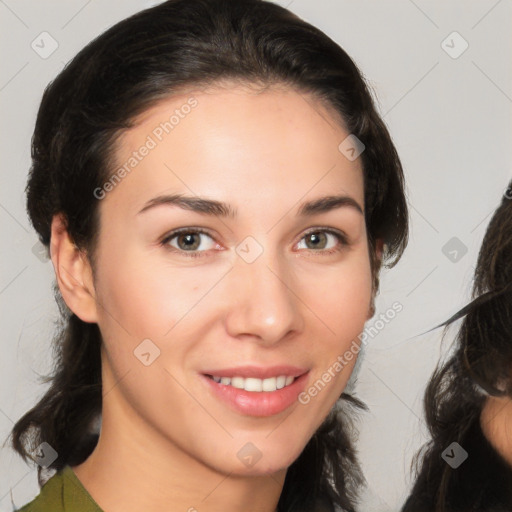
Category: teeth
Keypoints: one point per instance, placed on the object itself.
(237, 382)
(269, 384)
(255, 385)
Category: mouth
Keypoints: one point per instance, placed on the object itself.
(256, 391)
(254, 384)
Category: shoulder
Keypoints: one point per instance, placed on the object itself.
(50, 497)
(63, 492)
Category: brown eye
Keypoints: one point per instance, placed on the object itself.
(189, 241)
(316, 240)
(323, 240)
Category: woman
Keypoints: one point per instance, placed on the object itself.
(217, 193)
(467, 464)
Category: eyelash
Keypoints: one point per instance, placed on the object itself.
(341, 237)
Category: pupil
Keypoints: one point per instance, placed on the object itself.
(316, 239)
(189, 242)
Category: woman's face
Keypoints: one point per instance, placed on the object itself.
(267, 285)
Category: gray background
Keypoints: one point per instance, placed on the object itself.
(450, 119)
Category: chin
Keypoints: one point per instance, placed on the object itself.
(276, 458)
(258, 457)
(262, 467)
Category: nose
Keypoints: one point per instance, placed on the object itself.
(263, 303)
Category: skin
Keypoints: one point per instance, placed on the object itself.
(495, 421)
(167, 443)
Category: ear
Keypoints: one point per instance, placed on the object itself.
(73, 272)
(379, 251)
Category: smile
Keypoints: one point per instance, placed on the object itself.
(256, 390)
(255, 385)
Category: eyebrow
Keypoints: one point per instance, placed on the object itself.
(221, 209)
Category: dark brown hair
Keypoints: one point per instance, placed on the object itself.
(479, 366)
(99, 94)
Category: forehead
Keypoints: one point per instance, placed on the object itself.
(238, 145)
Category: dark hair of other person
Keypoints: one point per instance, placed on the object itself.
(480, 366)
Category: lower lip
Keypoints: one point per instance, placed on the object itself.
(253, 403)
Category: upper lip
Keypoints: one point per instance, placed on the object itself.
(258, 372)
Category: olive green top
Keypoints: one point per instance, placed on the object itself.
(63, 492)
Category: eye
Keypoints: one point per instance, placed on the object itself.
(323, 240)
(196, 242)
(188, 240)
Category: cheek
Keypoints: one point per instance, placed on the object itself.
(341, 302)
(146, 299)
(341, 296)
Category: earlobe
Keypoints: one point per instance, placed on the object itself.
(371, 310)
(73, 272)
(379, 251)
